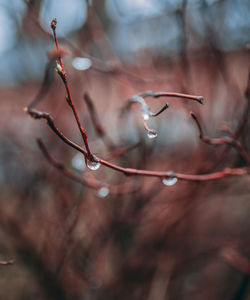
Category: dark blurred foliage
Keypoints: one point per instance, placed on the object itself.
(187, 241)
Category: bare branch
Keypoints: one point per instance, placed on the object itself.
(96, 122)
(231, 141)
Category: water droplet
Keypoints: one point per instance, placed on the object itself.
(81, 63)
(152, 134)
(78, 162)
(169, 181)
(93, 164)
(145, 117)
(58, 67)
(103, 192)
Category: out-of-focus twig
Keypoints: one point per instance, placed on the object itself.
(231, 141)
(101, 132)
(6, 262)
(87, 181)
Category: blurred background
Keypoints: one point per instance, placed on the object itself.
(132, 237)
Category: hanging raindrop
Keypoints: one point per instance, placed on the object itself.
(152, 134)
(169, 181)
(146, 117)
(93, 164)
(103, 192)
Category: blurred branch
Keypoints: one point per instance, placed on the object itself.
(90, 182)
(138, 98)
(231, 141)
(96, 122)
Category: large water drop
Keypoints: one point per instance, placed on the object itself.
(93, 164)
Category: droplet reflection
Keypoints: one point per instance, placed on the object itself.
(169, 181)
(93, 165)
(152, 134)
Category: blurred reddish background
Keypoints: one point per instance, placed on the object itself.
(186, 241)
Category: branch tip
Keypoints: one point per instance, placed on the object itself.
(53, 24)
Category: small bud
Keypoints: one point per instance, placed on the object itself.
(53, 24)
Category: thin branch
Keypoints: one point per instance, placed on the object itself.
(231, 141)
(90, 182)
(96, 122)
(169, 174)
(62, 73)
(47, 80)
(6, 263)
(153, 94)
(44, 115)
(160, 111)
(119, 152)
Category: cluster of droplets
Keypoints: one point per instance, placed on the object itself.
(170, 180)
(93, 164)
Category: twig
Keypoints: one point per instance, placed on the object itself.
(6, 263)
(62, 73)
(90, 182)
(127, 171)
(153, 94)
(47, 80)
(96, 122)
(231, 141)
(119, 152)
(185, 177)
(44, 115)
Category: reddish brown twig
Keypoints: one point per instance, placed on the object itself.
(119, 152)
(96, 122)
(231, 141)
(44, 115)
(185, 177)
(62, 73)
(153, 94)
(89, 182)
(139, 98)
(47, 80)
